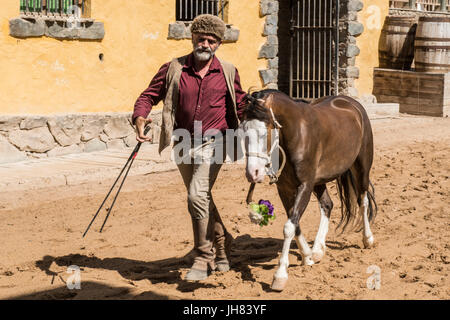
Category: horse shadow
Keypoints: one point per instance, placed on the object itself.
(247, 253)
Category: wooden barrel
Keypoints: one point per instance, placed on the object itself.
(396, 46)
(432, 45)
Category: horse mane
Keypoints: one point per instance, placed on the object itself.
(255, 110)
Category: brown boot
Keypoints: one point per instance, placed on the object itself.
(223, 242)
(189, 257)
(205, 250)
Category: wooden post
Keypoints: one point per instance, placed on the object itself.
(443, 5)
(412, 4)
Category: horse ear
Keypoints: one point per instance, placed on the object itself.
(252, 89)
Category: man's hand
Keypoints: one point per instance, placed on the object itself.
(140, 123)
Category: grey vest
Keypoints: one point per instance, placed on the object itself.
(172, 94)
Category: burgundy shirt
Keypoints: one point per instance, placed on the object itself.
(199, 99)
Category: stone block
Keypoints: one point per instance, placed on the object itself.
(156, 132)
(130, 141)
(272, 39)
(355, 28)
(95, 31)
(22, 28)
(115, 144)
(272, 86)
(268, 51)
(177, 30)
(34, 140)
(59, 31)
(231, 34)
(33, 122)
(352, 72)
(267, 7)
(269, 76)
(355, 5)
(352, 51)
(92, 128)
(9, 153)
(94, 145)
(10, 123)
(118, 128)
(273, 63)
(272, 19)
(66, 129)
(270, 29)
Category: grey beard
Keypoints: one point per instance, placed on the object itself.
(203, 55)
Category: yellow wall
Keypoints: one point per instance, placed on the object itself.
(44, 75)
(372, 17)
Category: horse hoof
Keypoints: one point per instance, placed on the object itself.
(317, 256)
(278, 284)
(368, 242)
(308, 260)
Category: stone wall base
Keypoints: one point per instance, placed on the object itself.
(25, 137)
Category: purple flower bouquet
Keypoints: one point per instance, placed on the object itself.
(262, 212)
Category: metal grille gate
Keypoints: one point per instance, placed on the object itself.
(314, 53)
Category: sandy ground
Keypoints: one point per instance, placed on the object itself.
(138, 254)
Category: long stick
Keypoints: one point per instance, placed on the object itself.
(120, 187)
(131, 158)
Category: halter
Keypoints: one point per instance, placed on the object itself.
(268, 156)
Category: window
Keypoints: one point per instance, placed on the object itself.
(421, 5)
(59, 19)
(187, 10)
(54, 8)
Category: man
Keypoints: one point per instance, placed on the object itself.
(198, 88)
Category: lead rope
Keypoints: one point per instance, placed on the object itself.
(269, 170)
(274, 176)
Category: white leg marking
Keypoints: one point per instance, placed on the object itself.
(319, 247)
(367, 233)
(289, 233)
(305, 250)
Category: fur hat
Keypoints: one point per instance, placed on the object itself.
(209, 24)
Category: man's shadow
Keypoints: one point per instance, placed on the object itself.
(247, 252)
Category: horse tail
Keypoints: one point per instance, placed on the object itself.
(373, 208)
(349, 195)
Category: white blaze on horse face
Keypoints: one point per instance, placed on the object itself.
(256, 146)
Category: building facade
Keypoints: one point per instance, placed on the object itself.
(72, 70)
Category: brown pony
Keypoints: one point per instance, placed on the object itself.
(328, 139)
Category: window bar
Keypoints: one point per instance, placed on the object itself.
(299, 32)
(313, 31)
(336, 84)
(303, 31)
(330, 38)
(319, 42)
(180, 4)
(291, 50)
(196, 8)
